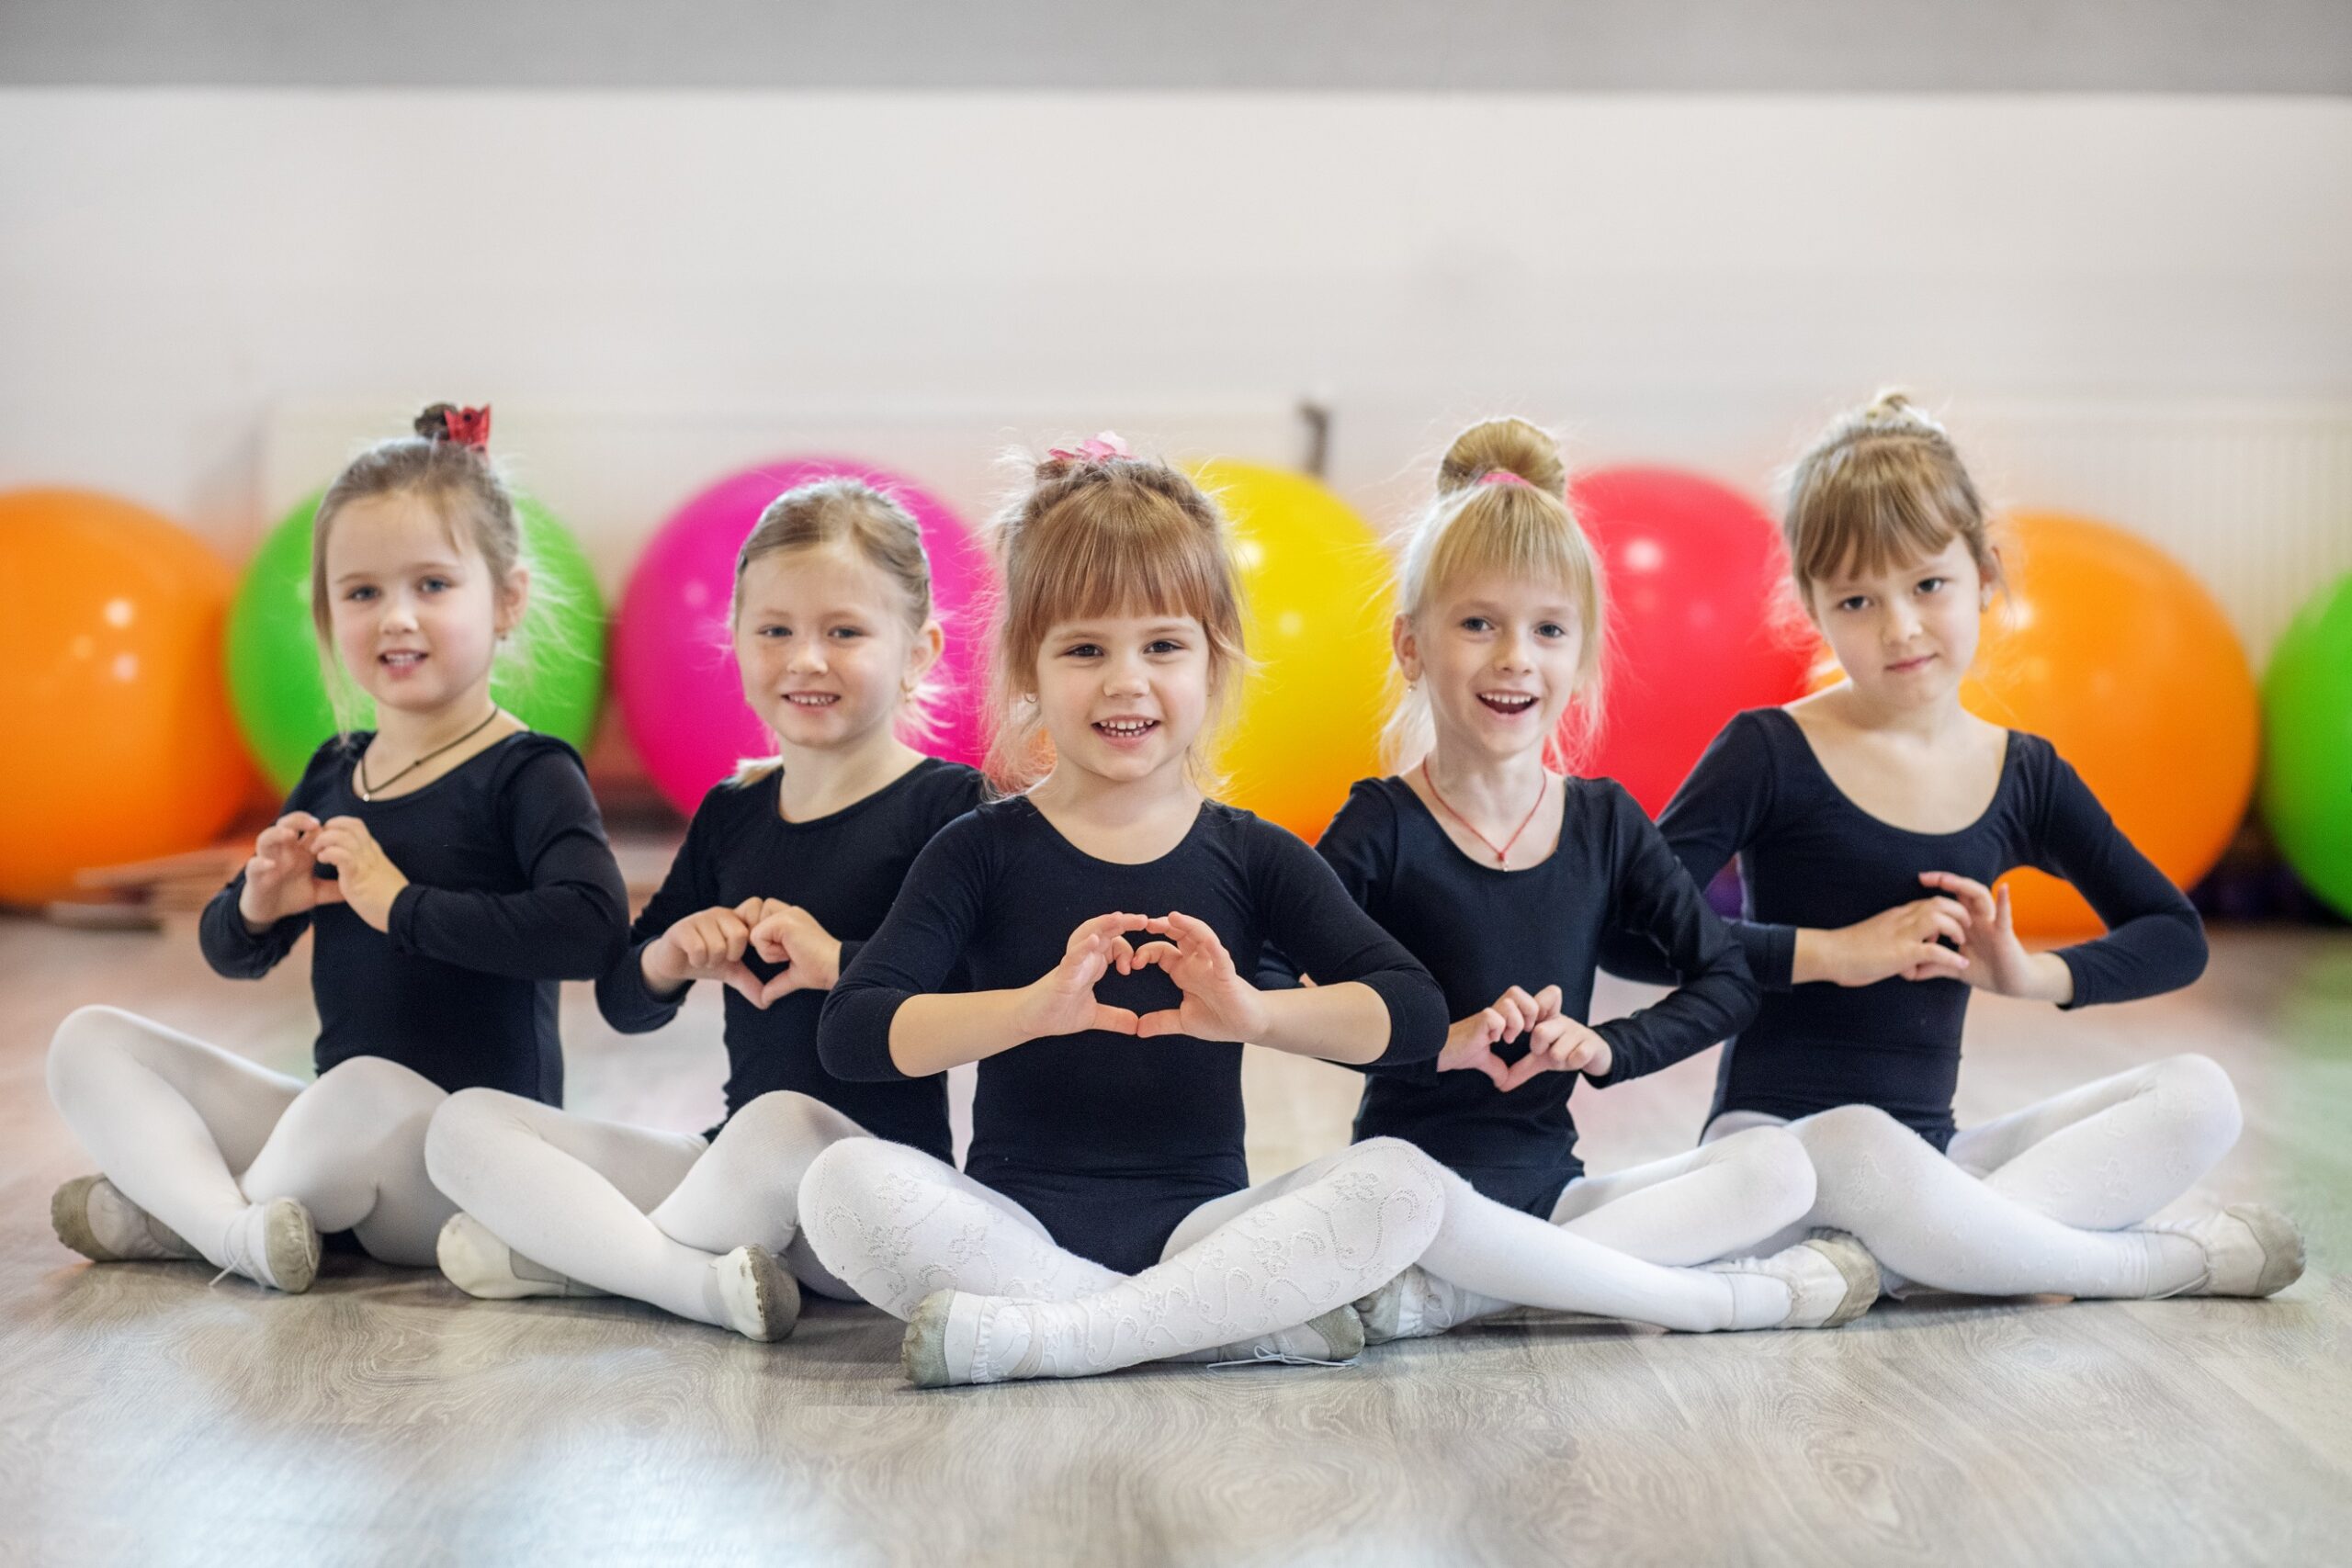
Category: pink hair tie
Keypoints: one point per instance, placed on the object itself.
(1501, 476)
(1093, 449)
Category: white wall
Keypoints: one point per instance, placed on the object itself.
(188, 277)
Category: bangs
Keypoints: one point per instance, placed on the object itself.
(1517, 536)
(1861, 517)
(1156, 564)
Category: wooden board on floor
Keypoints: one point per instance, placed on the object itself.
(384, 1418)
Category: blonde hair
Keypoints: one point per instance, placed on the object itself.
(1523, 530)
(1099, 534)
(1883, 485)
(881, 532)
(464, 487)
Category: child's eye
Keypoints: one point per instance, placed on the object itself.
(1165, 645)
(1551, 629)
(1933, 584)
(774, 631)
(1082, 650)
(1476, 624)
(435, 584)
(1853, 601)
(357, 595)
(845, 633)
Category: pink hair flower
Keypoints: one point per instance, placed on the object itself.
(1099, 448)
(1501, 476)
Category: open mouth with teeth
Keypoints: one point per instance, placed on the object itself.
(1125, 729)
(401, 658)
(812, 699)
(1510, 704)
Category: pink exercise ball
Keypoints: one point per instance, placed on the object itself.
(674, 662)
(1694, 569)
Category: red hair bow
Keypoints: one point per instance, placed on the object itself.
(468, 427)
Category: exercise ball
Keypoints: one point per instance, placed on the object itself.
(2112, 651)
(550, 677)
(2307, 744)
(1315, 581)
(674, 658)
(117, 743)
(1695, 570)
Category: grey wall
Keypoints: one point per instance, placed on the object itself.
(2189, 46)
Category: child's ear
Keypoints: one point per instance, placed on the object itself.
(514, 598)
(923, 652)
(1407, 644)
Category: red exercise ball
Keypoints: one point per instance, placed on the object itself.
(1694, 570)
(119, 743)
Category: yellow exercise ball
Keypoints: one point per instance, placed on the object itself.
(1306, 724)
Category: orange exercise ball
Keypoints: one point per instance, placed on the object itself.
(2115, 653)
(117, 742)
(1316, 580)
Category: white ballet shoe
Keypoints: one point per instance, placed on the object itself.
(272, 1243)
(2251, 1249)
(1416, 1304)
(91, 1215)
(477, 1262)
(1830, 1277)
(1332, 1339)
(754, 1295)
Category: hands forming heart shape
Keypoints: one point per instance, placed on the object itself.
(1555, 1043)
(1218, 1004)
(709, 945)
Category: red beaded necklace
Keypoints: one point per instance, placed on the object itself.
(1502, 854)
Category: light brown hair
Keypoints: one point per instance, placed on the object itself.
(879, 528)
(1105, 536)
(1882, 486)
(1523, 530)
(467, 491)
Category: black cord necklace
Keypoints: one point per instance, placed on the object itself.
(368, 791)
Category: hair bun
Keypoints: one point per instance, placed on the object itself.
(1894, 410)
(1506, 446)
(434, 423)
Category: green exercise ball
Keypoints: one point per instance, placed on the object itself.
(2307, 744)
(551, 677)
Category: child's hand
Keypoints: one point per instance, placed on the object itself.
(1061, 1001)
(1218, 1003)
(1904, 941)
(366, 876)
(1560, 1045)
(1470, 1043)
(1997, 960)
(791, 936)
(706, 945)
(281, 878)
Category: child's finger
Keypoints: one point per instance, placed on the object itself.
(1547, 1002)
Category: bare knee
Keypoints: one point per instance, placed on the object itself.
(2200, 1103)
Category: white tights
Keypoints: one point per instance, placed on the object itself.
(896, 1225)
(196, 1135)
(630, 1211)
(2049, 1200)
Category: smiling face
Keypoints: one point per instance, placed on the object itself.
(416, 611)
(1906, 633)
(1123, 697)
(1499, 659)
(824, 646)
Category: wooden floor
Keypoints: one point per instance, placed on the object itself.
(384, 1418)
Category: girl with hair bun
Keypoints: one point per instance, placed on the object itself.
(786, 868)
(1504, 873)
(451, 867)
(1872, 821)
(1113, 917)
